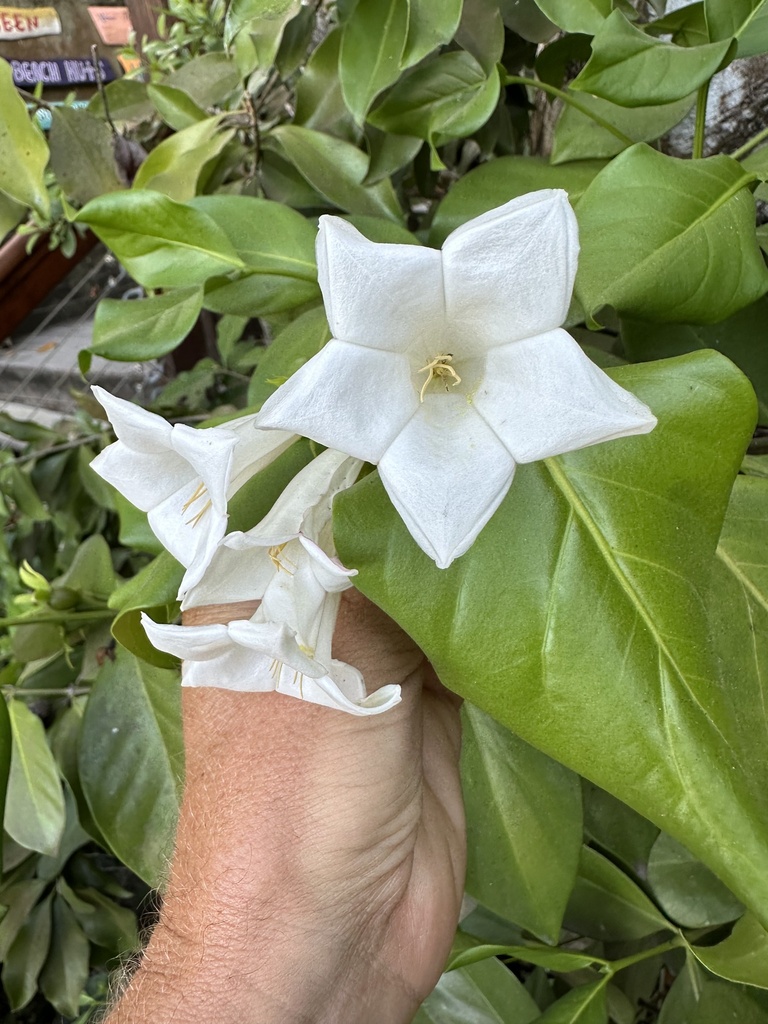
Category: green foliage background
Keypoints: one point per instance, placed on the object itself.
(609, 628)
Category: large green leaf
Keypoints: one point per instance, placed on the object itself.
(429, 25)
(208, 79)
(66, 970)
(578, 618)
(686, 890)
(34, 810)
(498, 181)
(175, 166)
(23, 150)
(523, 826)
(162, 244)
(698, 998)
(145, 328)
(577, 15)
(131, 761)
(742, 957)
(633, 69)
(583, 1005)
(669, 240)
(25, 959)
(746, 20)
(175, 106)
(372, 45)
(82, 154)
(485, 993)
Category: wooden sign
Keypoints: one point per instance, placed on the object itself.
(59, 72)
(113, 24)
(28, 22)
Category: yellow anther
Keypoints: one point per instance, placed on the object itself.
(196, 519)
(440, 368)
(198, 494)
(274, 556)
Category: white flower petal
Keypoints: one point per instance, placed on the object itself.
(509, 273)
(141, 430)
(190, 533)
(327, 570)
(143, 478)
(209, 452)
(234, 573)
(379, 295)
(446, 474)
(327, 691)
(346, 397)
(544, 397)
(256, 449)
(200, 643)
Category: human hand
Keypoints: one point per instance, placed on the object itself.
(320, 856)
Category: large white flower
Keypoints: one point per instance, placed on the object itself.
(286, 562)
(447, 368)
(182, 477)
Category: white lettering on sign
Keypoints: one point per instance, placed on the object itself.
(30, 72)
(27, 22)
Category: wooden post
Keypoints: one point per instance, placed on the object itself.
(144, 18)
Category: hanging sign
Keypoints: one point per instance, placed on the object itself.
(61, 71)
(28, 22)
(113, 24)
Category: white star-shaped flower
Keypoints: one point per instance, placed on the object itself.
(183, 477)
(447, 368)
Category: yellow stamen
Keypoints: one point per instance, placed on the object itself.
(196, 519)
(198, 494)
(274, 556)
(439, 368)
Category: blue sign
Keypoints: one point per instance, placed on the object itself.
(59, 73)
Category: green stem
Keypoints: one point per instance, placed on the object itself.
(750, 144)
(62, 619)
(701, 121)
(566, 97)
(15, 691)
(646, 954)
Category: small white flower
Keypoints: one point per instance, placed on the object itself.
(182, 477)
(287, 563)
(447, 368)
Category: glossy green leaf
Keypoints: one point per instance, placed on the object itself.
(561, 960)
(696, 998)
(162, 244)
(372, 45)
(23, 149)
(618, 830)
(293, 346)
(500, 180)
(19, 898)
(253, 29)
(577, 15)
(82, 154)
(379, 230)
(174, 166)
(11, 213)
(175, 106)
(105, 922)
(319, 101)
(127, 101)
(208, 80)
(526, 18)
(687, 26)
(336, 169)
(524, 826)
(429, 25)
(6, 744)
(388, 154)
(742, 337)
(609, 654)
(145, 328)
(742, 957)
(481, 32)
(485, 993)
(34, 811)
(90, 572)
(131, 761)
(633, 69)
(686, 890)
(66, 970)
(606, 904)
(745, 20)
(157, 583)
(583, 1005)
(25, 958)
(669, 240)
(578, 136)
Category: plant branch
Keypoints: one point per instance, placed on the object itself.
(566, 97)
(646, 954)
(701, 121)
(69, 691)
(96, 615)
(30, 98)
(40, 453)
(750, 144)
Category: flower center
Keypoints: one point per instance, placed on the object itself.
(439, 368)
(200, 492)
(274, 556)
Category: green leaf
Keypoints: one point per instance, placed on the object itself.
(127, 101)
(11, 213)
(669, 240)
(485, 993)
(18, 899)
(63, 978)
(23, 150)
(687, 26)
(131, 761)
(742, 957)
(523, 826)
(34, 811)
(686, 890)
(745, 20)
(617, 829)
(25, 959)
(142, 329)
(90, 573)
(696, 998)
(583, 1005)
(448, 95)
(526, 18)
(372, 45)
(254, 28)
(156, 584)
(175, 166)
(577, 15)
(429, 25)
(742, 337)
(336, 169)
(500, 180)
(561, 960)
(162, 244)
(82, 155)
(633, 69)
(293, 346)
(319, 101)
(105, 922)
(579, 137)
(481, 32)
(606, 904)
(609, 656)
(175, 106)
(209, 80)
(6, 744)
